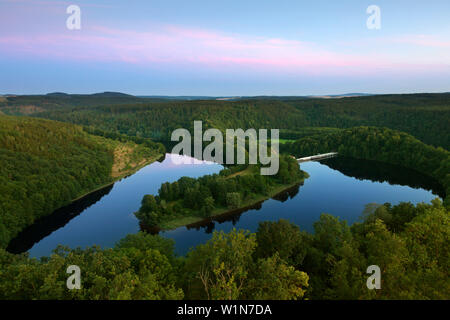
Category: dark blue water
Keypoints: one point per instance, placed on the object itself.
(341, 187)
(111, 217)
(326, 191)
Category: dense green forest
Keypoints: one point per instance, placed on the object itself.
(158, 120)
(45, 164)
(379, 144)
(28, 104)
(424, 116)
(232, 188)
(410, 244)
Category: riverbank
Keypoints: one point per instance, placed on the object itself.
(157, 157)
(57, 218)
(222, 211)
(103, 218)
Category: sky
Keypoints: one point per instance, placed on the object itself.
(224, 48)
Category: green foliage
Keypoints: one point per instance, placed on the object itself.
(209, 205)
(414, 261)
(202, 196)
(224, 268)
(276, 262)
(380, 144)
(124, 273)
(219, 268)
(233, 200)
(149, 145)
(282, 238)
(158, 120)
(273, 279)
(28, 104)
(143, 241)
(424, 116)
(46, 164)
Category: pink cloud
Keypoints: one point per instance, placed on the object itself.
(196, 47)
(423, 40)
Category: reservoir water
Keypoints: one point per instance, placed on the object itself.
(339, 186)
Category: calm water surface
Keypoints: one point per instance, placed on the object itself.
(338, 186)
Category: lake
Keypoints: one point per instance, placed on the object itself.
(339, 186)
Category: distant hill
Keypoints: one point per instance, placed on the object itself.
(425, 116)
(179, 97)
(236, 98)
(29, 104)
(106, 94)
(57, 94)
(110, 94)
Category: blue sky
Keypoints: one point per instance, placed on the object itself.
(224, 47)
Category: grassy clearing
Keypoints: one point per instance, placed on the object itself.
(129, 157)
(280, 141)
(244, 172)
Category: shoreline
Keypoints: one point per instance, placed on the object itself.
(84, 197)
(194, 221)
(241, 210)
(116, 179)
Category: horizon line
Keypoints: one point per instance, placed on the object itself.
(224, 96)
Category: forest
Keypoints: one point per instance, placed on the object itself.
(46, 164)
(381, 144)
(27, 104)
(424, 116)
(279, 261)
(233, 188)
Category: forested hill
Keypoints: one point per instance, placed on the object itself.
(425, 116)
(45, 164)
(380, 144)
(29, 104)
